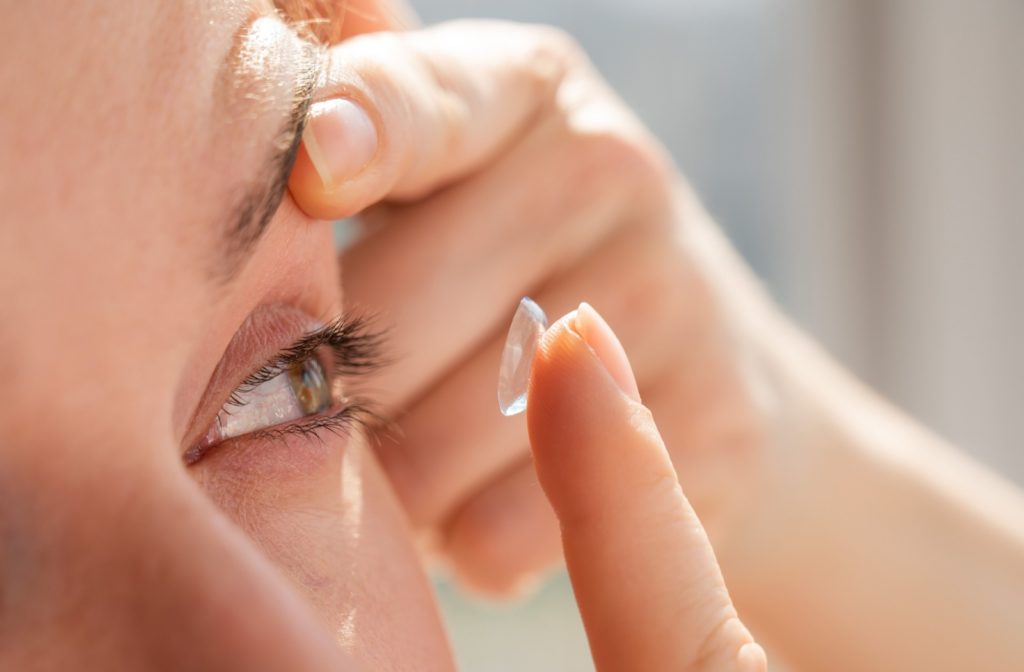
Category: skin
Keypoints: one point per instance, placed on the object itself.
(294, 553)
(850, 537)
(125, 155)
(122, 546)
(628, 236)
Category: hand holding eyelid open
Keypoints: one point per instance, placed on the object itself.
(646, 580)
(403, 114)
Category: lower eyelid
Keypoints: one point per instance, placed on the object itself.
(294, 455)
(340, 420)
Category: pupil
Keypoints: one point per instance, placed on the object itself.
(310, 386)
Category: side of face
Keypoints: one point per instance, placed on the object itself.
(133, 310)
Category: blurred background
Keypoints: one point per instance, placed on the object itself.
(867, 157)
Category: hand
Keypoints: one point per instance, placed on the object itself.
(493, 162)
(646, 580)
(506, 168)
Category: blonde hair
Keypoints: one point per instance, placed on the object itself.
(320, 19)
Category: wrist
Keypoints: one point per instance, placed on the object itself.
(785, 377)
(870, 534)
(862, 538)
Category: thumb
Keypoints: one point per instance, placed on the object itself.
(401, 115)
(645, 577)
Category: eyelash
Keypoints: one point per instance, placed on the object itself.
(355, 346)
(352, 414)
(356, 350)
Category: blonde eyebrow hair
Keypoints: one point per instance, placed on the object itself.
(319, 20)
(254, 208)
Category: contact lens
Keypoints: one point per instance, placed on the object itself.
(528, 325)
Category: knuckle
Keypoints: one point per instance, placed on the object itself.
(551, 56)
(413, 485)
(615, 156)
(555, 44)
(478, 536)
(482, 550)
(611, 147)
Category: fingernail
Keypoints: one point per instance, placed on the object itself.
(340, 139)
(602, 340)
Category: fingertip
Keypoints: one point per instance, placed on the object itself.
(580, 374)
(751, 658)
(606, 345)
(340, 143)
(340, 140)
(581, 423)
(307, 190)
(566, 384)
(640, 562)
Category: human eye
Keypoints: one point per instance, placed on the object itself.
(300, 390)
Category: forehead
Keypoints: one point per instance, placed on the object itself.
(149, 111)
(121, 151)
(97, 78)
(89, 53)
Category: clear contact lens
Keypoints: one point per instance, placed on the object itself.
(528, 325)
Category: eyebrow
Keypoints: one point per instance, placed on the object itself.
(252, 212)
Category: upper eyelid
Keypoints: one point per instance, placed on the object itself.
(272, 369)
(298, 351)
(354, 343)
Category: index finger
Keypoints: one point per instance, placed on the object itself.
(646, 580)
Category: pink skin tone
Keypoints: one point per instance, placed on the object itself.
(127, 324)
(790, 463)
(127, 327)
(123, 156)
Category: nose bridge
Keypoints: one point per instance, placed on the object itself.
(145, 575)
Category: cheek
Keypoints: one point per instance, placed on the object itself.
(322, 512)
(121, 564)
